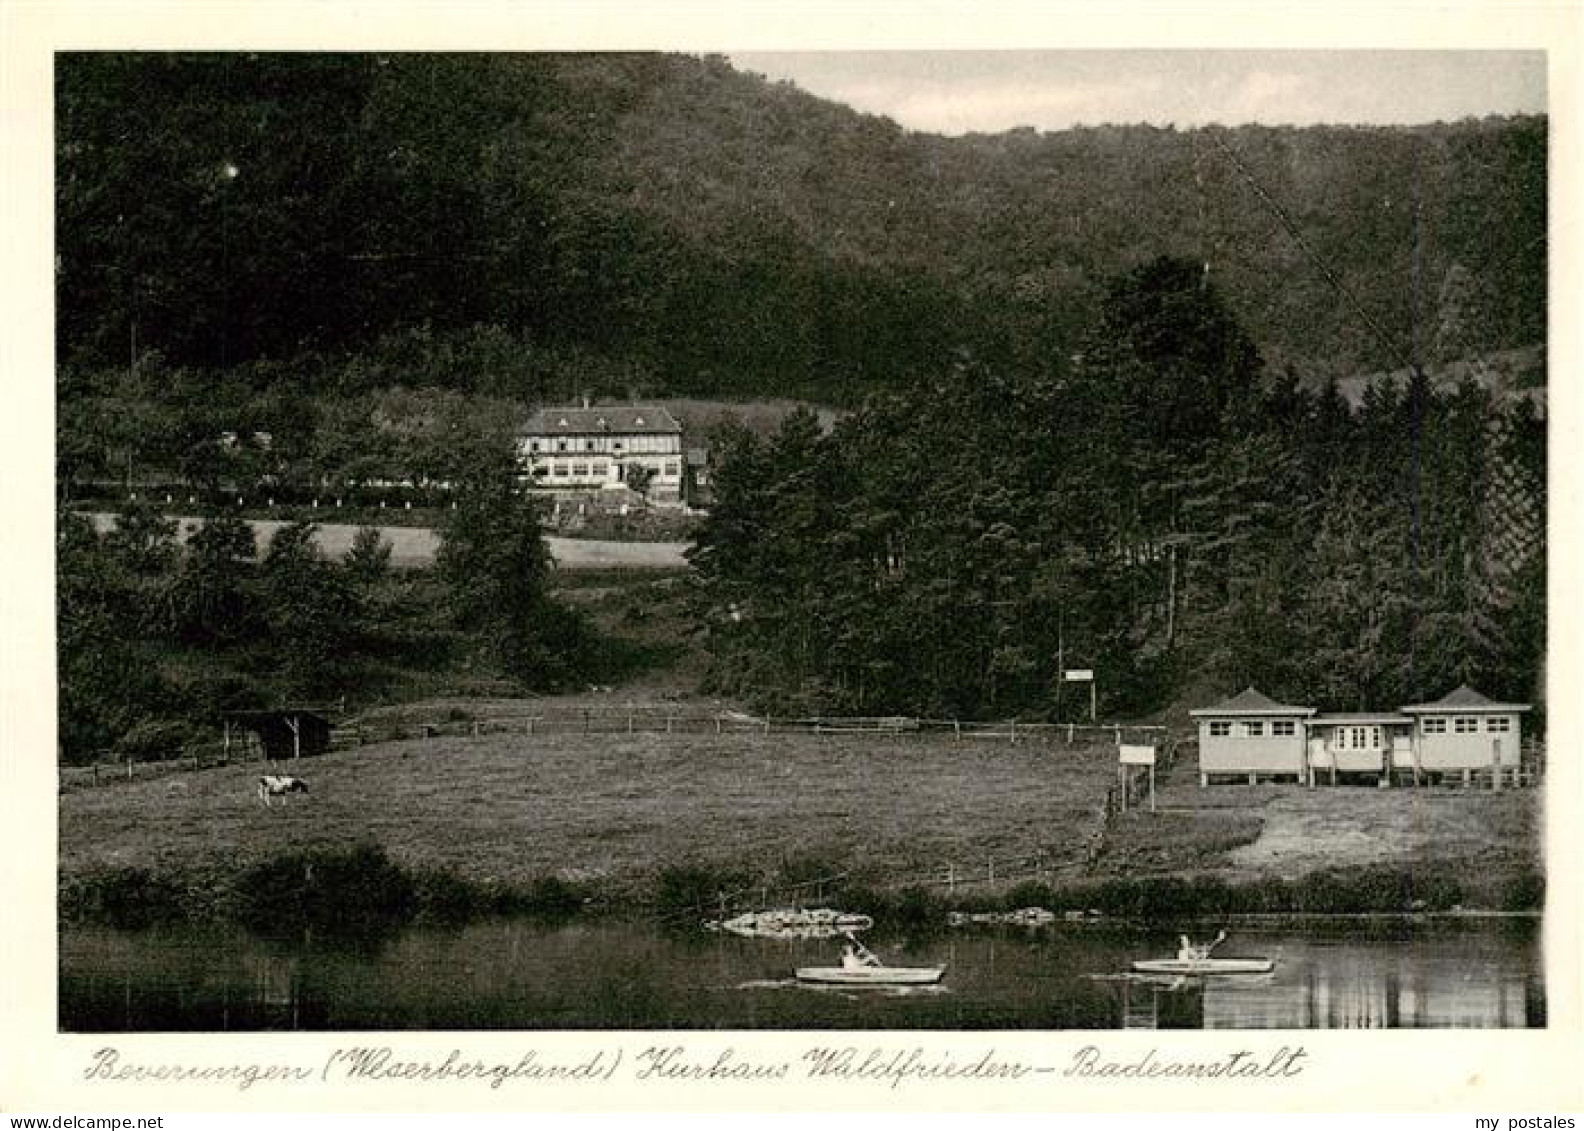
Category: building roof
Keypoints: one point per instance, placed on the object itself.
(1464, 699)
(620, 420)
(1251, 702)
(1360, 718)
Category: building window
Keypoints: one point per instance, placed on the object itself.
(533, 445)
(1500, 724)
(588, 445)
(601, 469)
(673, 468)
(560, 470)
(580, 469)
(1284, 729)
(1435, 726)
(541, 471)
(1254, 730)
(1465, 724)
(560, 445)
(1220, 730)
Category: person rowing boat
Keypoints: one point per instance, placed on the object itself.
(1189, 952)
(856, 956)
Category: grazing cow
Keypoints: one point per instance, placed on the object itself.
(279, 785)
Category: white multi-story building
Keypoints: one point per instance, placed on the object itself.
(611, 446)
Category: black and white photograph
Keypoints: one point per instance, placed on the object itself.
(1045, 540)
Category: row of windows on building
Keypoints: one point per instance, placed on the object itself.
(1367, 737)
(1280, 729)
(1498, 724)
(599, 468)
(565, 447)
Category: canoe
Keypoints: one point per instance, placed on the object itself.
(1204, 966)
(871, 975)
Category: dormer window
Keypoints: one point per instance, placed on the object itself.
(562, 423)
(639, 421)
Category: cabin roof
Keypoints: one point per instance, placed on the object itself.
(618, 420)
(1251, 702)
(1464, 699)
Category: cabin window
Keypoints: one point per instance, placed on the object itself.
(1284, 729)
(1220, 730)
(1464, 724)
(1254, 730)
(1500, 724)
(1435, 726)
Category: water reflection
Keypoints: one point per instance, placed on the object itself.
(521, 974)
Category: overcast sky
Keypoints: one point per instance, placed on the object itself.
(954, 92)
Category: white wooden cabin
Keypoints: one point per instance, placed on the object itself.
(1252, 736)
(1373, 743)
(1465, 732)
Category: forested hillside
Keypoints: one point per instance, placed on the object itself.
(1166, 515)
(535, 226)
(1103, 386)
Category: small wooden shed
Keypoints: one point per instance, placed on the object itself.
(1464, 731)
(283, 732)
(1253, 736)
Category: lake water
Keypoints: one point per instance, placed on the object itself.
(604, 974)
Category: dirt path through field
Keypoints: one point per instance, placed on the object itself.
(416, 546)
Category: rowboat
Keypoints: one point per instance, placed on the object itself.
(1193, 959)
(861, 967)
(1204, 966)
(871, 975)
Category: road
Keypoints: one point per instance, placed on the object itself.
(415, 546)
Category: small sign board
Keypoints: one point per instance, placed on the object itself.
(1079, 675)
(1138, 755)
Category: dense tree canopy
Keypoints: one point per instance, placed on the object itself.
(948, 550)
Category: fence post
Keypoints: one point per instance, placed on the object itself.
(992, 869)
(629, 721)
(668, 722)
(1069, 734)
(129, 767)
(957, 730)
(96, 773)
(951, 879)
(1014, 732)
(585, 720)
(717, 724)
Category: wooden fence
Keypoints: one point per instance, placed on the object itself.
(680, 720)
